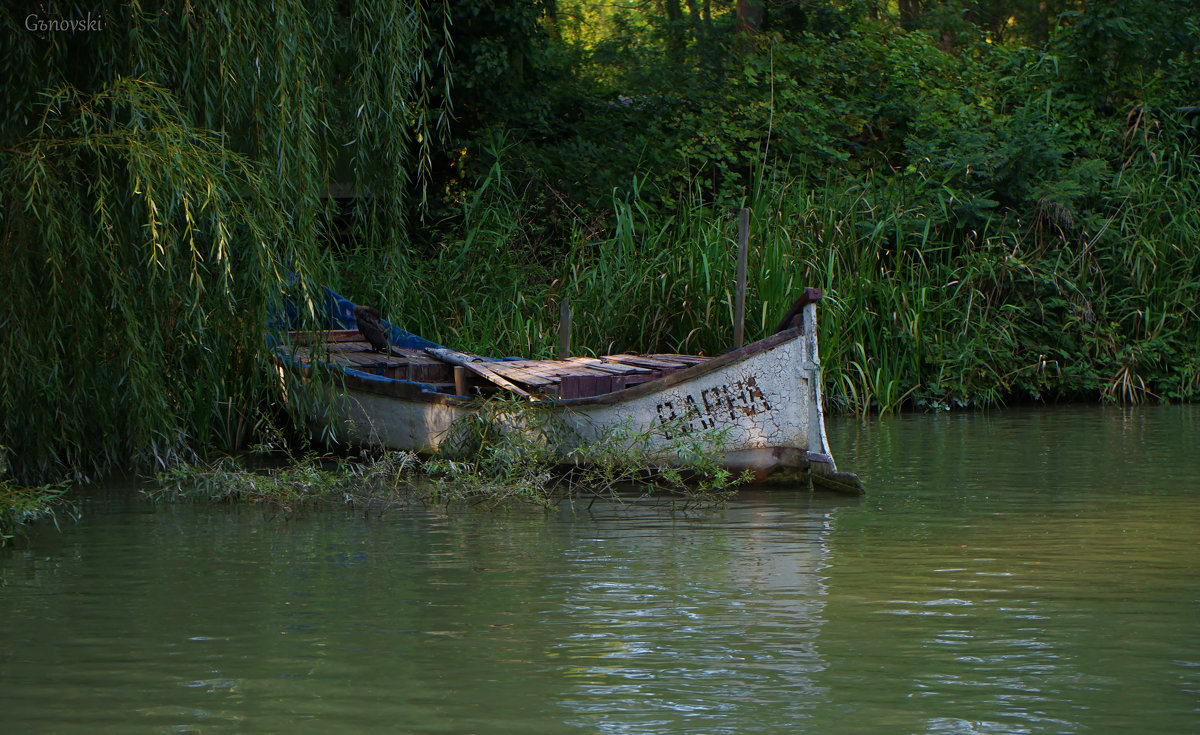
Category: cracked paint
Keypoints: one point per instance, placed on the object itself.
(741, 398)
(763, 401)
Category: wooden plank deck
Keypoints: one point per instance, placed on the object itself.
(575, 377)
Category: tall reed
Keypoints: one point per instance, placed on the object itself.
(919, 310)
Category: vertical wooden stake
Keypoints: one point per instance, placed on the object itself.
(460, 380)
(739, 303)
(564, 329)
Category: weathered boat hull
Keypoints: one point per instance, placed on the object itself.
(762, 403)
(758, 406)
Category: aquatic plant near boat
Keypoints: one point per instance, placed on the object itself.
(20, 507)
(508, 451)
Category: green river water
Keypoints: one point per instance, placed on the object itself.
(1019, 571)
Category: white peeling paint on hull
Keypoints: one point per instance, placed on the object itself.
(763, 401)
(396, 423)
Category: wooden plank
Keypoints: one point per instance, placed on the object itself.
(656, 363)
(688, 359)
(534, 370)
(301, 337)
(546, 370)
(478, 366)
(632, 380)
(570, 387)
(569, 367)
(582, 386)
(514, 363)
(556, 373)
(564, 329)
(368, 358)
(543, 370)
(437, 372)
(615, 368)
(586, 386)
(520, 375)
(340, 348)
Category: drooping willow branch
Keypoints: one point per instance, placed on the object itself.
(143, 259)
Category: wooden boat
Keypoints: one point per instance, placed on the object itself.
(761, 403)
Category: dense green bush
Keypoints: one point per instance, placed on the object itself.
(987, 226)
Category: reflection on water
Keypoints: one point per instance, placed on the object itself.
(660, 615)
(1014, 572)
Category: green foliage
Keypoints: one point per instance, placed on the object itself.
(1050, 294)
(22, 506)
(142, 261)
(304, 482)
(146, 250)
(1131, 49)
(985, 227)
(508, 451)
(331, 101)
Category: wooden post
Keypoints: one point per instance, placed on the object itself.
(564, 329)
(739, 302)
(460, 380)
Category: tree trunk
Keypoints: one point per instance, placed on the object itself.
(694, 11)
(750, 15)
(675, 30)
(552, 20)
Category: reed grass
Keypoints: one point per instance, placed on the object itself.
(920, 310)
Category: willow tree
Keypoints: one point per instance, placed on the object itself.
(166, 173)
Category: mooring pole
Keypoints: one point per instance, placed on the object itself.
(739, 302)
(564, 329)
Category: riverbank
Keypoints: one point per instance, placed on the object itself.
(507, 470)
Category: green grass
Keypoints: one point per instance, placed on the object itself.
(508, 452)
(1091, 299)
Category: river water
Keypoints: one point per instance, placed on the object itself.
(1020, 571)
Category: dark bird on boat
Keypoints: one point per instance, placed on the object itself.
(371, 326)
